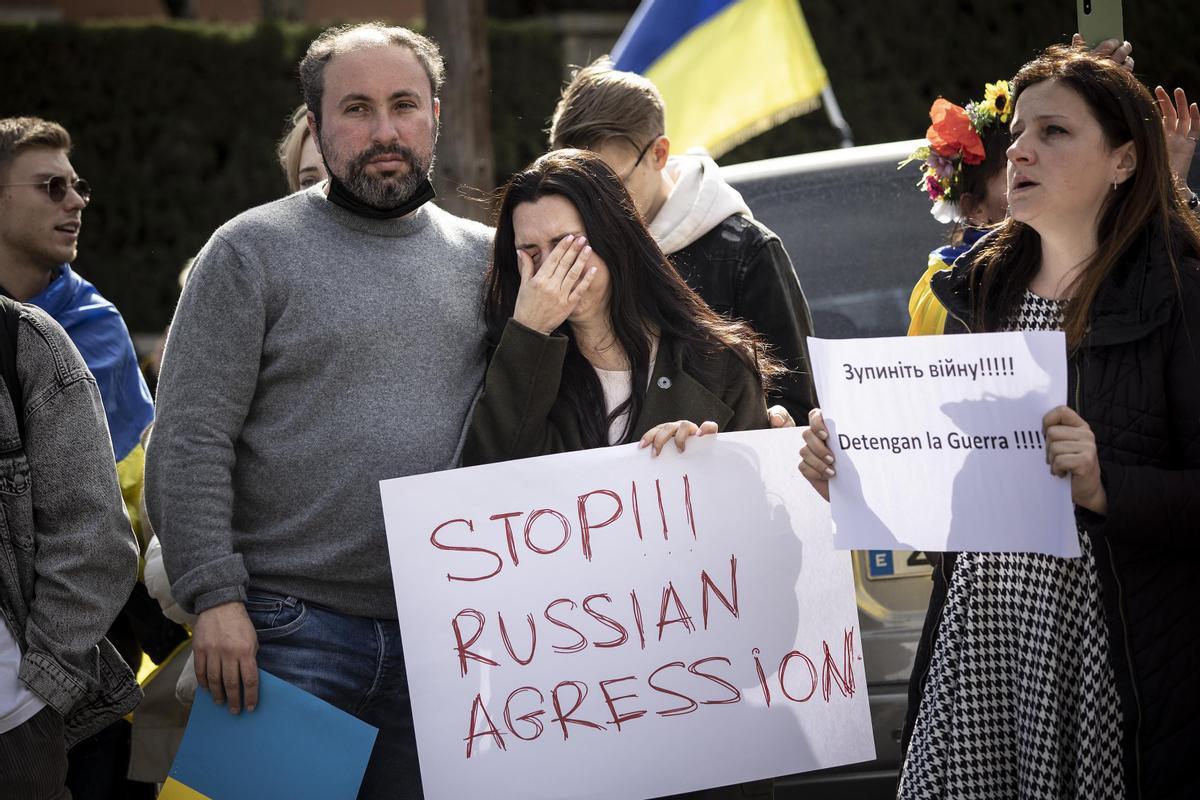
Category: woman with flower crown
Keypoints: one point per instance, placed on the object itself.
(1046, 677)
(964, 176)
(963, 173)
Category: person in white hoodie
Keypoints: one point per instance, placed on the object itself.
(735, 263)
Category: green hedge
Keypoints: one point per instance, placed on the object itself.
(175, 123)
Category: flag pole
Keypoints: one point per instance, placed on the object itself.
(834, 112)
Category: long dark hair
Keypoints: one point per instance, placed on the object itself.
(1146, 203)
(646, 294)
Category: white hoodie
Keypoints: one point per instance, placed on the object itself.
(699, 201)
(159, 587)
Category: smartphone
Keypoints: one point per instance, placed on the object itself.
(1099, 20)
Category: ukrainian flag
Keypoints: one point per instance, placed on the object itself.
(727, 69)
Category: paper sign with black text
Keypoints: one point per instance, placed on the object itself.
(609, 624)
(939, 445)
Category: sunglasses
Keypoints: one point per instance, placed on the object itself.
(57, 186)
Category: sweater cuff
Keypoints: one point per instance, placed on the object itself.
(219, 597)
(210, 585)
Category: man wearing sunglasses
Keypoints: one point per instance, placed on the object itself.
(70, 558)
(734, 263)
(40, 220)
(40, 223)
(39, 234)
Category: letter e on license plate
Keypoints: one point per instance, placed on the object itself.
(883, 564)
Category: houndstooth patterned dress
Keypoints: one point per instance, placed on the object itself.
(1020, 699)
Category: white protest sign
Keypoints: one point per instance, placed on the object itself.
(607, 624)
(938, 442)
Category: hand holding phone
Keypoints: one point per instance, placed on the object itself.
(1099, 20)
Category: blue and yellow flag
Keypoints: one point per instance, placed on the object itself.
(294, 745)
(99, 333)
(727, 69)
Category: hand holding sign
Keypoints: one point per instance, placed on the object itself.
(816, 459)
(1071, 450)
(680, 431)
(940, 445)
(608, 624)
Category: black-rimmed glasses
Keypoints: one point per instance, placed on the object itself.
(641, 155)
(57, 186)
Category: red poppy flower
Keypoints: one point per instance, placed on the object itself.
(951, 133)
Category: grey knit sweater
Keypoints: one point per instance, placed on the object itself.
(314, 352)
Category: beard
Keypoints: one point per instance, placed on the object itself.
(386, 192)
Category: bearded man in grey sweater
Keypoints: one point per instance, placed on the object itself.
(323, 342)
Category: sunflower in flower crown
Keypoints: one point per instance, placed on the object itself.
(997, 101)
(955, 138)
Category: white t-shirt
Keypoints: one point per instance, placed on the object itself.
(618, 386)
(17, 703)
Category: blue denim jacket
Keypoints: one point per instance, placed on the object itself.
(68, 559)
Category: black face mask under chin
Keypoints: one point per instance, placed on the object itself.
(340, 195)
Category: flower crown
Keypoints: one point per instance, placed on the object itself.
(955, 138)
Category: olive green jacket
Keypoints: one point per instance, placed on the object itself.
(520, 415)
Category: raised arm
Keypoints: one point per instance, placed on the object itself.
(512, 418)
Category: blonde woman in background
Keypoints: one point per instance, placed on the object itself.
(298, 154)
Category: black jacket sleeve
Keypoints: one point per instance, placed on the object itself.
(1154, 505)
(513, 416)
(770, 299)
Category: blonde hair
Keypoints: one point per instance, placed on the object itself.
(291, 145)
(601, 104)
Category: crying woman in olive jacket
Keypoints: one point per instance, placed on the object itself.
(596, 340)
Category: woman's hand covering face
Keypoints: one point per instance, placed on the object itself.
(549, 293)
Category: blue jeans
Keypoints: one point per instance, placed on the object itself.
(354, 663)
